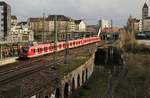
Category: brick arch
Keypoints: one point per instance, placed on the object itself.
(46, 93)
(66, 90)
(78, 81)
(83, 76)
(46, 97)
(73, 85)
(57, 93)
(86, 74)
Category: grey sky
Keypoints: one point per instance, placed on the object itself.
(91, 10)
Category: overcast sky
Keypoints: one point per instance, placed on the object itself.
(90, 10)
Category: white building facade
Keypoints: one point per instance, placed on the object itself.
(80, 26)
(105, 24)
(146, 24)
(21, 33)
(140, 25)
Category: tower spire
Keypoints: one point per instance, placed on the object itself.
(145, 11)
(145, 5)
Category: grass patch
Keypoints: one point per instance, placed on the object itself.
(96, 86)
(74, 63)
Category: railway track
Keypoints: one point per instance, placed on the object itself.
(20, 63)
(10, 73)
(6, 78)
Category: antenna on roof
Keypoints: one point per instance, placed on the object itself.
(111, 25)
(43, 35)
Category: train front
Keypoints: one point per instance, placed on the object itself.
(24, 51)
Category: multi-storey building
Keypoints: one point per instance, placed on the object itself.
(146, 24)
(80, 26)
(136, 25)
(63, 23)
(39, 26)
(44, 27)
(105, 24)
(21, 33)
(5, 20)
(13, 21)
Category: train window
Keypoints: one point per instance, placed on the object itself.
(50, 48)
(55, 47)
(45, 48)
(64, 45)
(35, 50)
(38, 50)
(76, 42)
(67, 45)
(71, 44)
(60, 46)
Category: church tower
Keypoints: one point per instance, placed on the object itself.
(145, 11)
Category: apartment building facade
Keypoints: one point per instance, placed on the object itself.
(5, 20)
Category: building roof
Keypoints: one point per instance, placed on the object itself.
(145, 5)
(59, 18)
(78, 21)
(3, 3)
(92, 28)
(35, 19)
(136, 20)
(22, 23)
(13, 17)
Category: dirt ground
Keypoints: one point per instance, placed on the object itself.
(137, 82)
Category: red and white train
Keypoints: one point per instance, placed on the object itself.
(42, 49)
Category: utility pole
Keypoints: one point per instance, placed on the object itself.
(1, 52)
(55, 38)
(67, 45)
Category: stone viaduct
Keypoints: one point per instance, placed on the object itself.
(70, 83)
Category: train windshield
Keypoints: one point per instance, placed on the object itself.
(25, 49)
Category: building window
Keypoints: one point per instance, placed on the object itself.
(2, 11)
(2, 30)
(2, 17)
(2, 14)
